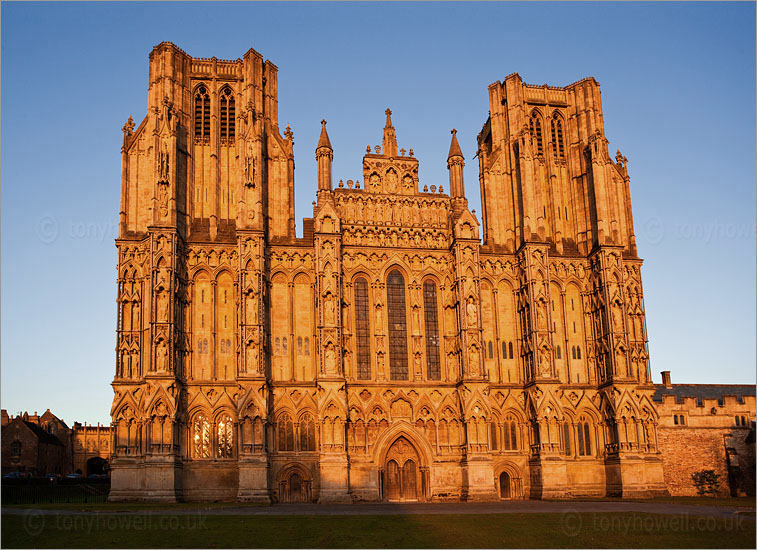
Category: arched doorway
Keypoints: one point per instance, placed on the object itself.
(295, 484)
(401, 472)
(504, 486)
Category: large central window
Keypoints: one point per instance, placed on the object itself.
(362, 330)
(395, 294)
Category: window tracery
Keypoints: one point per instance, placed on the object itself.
(558, 146)
(225, 437)
(202, 115)
(227, 129)
(286, 433)
(534, 125)
(200, 437)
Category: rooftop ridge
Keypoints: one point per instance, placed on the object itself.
(549, 87)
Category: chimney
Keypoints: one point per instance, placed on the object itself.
(666, 378)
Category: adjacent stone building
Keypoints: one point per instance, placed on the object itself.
(40, 445)
(401, 349)
(707, 426)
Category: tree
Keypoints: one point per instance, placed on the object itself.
(707, 482)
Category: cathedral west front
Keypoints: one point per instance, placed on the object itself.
(404, 349)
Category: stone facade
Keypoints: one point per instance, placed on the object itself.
(387, 354)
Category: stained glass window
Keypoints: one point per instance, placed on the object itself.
(225, 437)
(201, 437)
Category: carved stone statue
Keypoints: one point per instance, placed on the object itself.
(163, 163)
(163, 199)
(329, 309)
(617, 316)
(379, 319)
(472, 312)
(475, 367)
(162, 357)
(163, 306)
(391, 181)
(249, 165)
(330, 360)
(544, 362)
(251, 309)
(541, 317)
(252, 357)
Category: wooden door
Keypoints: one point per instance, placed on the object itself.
(409, 481)
(295, 489)
(504, 485)
(393, 481)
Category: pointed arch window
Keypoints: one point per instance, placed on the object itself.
(227, 116)
(493, 429)
(566, 438)
(362, 330)
(200, 437)
(202, 115)
(584, 437)
(510, 434)
(558, 146)
(307, 433)
(286, 433)
(225, 437)
(395, 294)
(433, 363)
(534, 125)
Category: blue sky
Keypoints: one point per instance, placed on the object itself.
(678, 91)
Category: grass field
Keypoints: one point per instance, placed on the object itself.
(570, 530)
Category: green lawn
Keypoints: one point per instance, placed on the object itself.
(746, 502)
(587, 530)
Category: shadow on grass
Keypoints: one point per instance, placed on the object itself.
(535, 530)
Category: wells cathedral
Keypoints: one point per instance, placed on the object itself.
(403, 349)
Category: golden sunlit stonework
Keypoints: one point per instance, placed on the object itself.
(387, 354)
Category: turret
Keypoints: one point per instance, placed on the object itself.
(455, 164)
(324, 155)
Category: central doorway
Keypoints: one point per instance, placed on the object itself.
(402, 472)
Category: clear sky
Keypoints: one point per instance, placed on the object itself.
(678, 91)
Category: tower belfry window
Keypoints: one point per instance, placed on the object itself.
(227, 116)
(202, 115)
(535, 129)
(558, 147)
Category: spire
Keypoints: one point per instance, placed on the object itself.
(324, 141)
(324, 155)
(389, 144)
(455, 164)
(454, 148)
